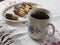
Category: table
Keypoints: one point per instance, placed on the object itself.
(52, 5)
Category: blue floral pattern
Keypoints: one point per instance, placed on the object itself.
(34, 29)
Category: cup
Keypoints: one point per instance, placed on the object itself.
(39, 22)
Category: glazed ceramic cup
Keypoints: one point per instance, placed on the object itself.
(38, 28)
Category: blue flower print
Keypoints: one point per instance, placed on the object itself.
(31, 28)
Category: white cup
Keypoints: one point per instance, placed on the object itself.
(38, 28)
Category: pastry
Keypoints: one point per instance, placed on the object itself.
(23, 9)
(16, 12)
(15, 17)
(33, 6)
(21, 13)
(24, 4)
(12, 17)
(26, 10)
(27, 6)
(9, 16)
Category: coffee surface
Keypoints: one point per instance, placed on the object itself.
(40, 15)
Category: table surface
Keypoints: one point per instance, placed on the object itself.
(51, 5)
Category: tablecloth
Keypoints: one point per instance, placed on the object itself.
(52, 5)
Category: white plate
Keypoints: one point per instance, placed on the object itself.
(10, 10)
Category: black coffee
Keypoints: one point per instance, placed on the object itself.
(40, 15)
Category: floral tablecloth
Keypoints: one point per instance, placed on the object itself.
(52, 5)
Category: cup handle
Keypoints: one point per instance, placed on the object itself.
(53, 29)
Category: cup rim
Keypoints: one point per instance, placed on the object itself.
(42, 9)
(40, 19)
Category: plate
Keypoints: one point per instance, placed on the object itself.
(10, 10)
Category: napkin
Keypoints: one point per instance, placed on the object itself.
(26, 40)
